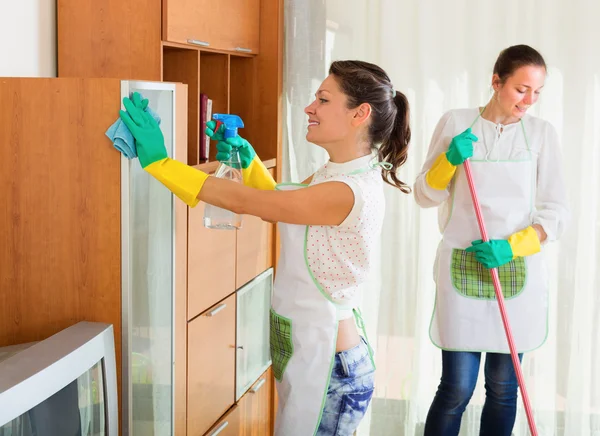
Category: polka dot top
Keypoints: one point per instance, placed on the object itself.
(339, 257)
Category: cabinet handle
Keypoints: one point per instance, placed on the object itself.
(259, 385)
(243, 50)
(198, 42)
(217, 309)
(220, 429)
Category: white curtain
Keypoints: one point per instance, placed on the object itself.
(441, 54)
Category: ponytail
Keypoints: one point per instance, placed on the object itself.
(394, 149)
(389, 129)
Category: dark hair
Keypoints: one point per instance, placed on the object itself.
(389, 131)
(512, 58)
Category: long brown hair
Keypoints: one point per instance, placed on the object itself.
(389, 131)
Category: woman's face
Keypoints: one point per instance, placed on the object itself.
(329, 119)
(520, 90)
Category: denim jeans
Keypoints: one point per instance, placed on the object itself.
(459, 377)
(350, 391)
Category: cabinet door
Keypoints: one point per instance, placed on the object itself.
(253, 351)
(244, 22)
(230, 25)
(211, 263)
(254, 249)
(256, 418)
(191, 21)
(211, 366)
(228, 425)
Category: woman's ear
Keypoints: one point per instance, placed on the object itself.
(496, 82)
(361, 114)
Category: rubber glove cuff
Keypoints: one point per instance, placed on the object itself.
(525, 243)
(441, 172)
(257, 176)
(182, 180)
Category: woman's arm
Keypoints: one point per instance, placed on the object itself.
(426, 195)
(325, 204)
(551, 202)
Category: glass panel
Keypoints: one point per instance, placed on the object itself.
(253, 353)
(151, 269)
(76, 410)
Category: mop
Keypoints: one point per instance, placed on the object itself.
(500, 298)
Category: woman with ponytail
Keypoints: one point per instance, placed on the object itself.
(328, 226)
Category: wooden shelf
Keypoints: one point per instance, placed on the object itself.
(211, 167)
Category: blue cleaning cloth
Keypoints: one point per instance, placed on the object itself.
(122, 138)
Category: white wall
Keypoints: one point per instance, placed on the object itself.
(28, 38)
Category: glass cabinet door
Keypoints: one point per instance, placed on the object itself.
(253, 352)
(148, 282)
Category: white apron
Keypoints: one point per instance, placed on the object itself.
(304, 325)
(466, 314)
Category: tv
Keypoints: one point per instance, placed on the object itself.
(65, 385)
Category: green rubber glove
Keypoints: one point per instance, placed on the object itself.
(492, 254)
(461, 147)
(224, 146)
(149, 140)
(136, 98)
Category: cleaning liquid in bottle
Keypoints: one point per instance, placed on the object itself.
(216, 217)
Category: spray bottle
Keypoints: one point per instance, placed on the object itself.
(216, 217)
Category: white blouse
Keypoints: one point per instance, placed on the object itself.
(499, 142)
(339, 257)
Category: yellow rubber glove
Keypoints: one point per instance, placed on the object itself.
(182, 180)
(440, 174)
(258, 176)
(497, 252)
(525, 243)
(254, 172)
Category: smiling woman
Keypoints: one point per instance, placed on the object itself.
(516, 165)
(323, 366)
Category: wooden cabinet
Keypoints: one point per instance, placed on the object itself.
(241, 71)
(211, 366)
(256, 418)
(229, 25)
(89, 235)
(211, 263)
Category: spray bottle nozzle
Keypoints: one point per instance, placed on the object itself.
(231, 122)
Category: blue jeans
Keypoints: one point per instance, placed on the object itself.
(459, 377)
(349, 393)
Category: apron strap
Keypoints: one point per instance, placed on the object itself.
(385, 165)
(361, 325)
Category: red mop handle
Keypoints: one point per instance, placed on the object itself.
(500, 298)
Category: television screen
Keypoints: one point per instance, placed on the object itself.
(63, 386)
(75, 410)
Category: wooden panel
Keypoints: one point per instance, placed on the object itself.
(211, 263)
(60, 258)
(187, 20)
(243, 21)
(254, 249)
(256, 417)
(183, 65)
(214, 82)
(243, 97)
(224, 25)
(181, 242)
(269, 74)
(228, 425)
(109, 38)
(211, 366)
